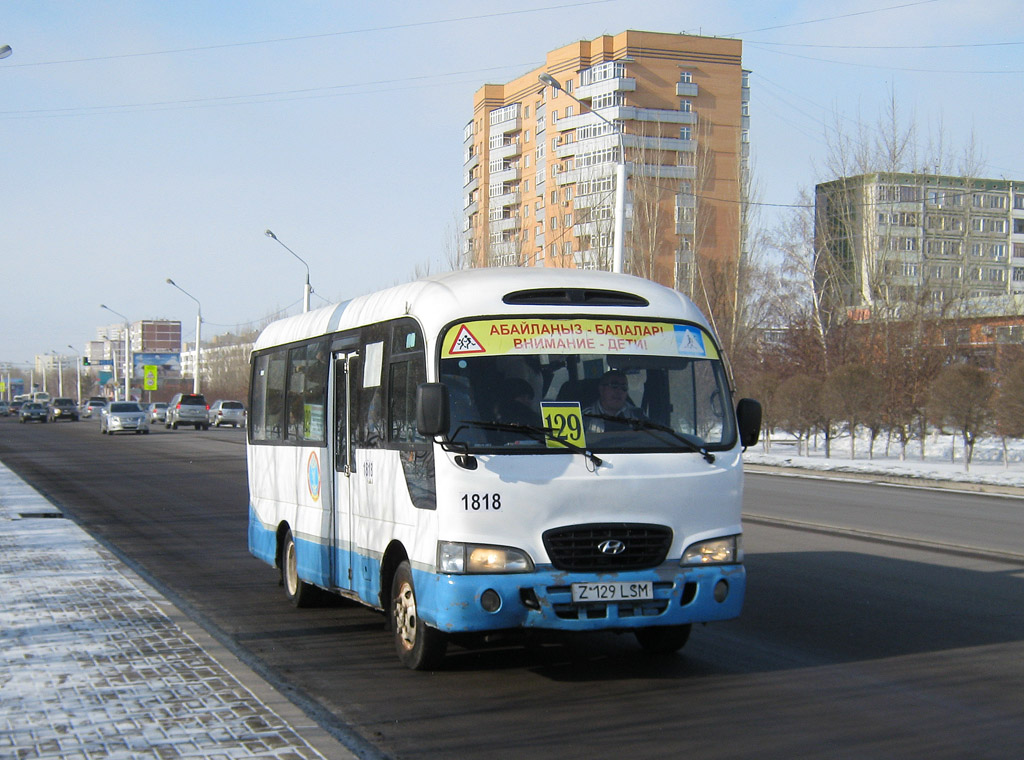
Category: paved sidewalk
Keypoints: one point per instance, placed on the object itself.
(94, 663)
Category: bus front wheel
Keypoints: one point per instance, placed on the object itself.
(299, 593)
(662, 639)
(419, 646)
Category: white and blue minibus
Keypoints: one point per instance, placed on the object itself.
(499, 450)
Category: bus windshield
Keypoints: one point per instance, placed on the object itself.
(605, 386)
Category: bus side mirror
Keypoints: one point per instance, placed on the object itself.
(432, 415)
(748, 418)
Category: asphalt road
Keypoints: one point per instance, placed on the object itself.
(846, 648)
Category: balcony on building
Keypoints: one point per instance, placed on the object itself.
(605, 77)
(686, 89)
(615, 84)
(470, 159)
(505, 224)
(505, 174)
(504, 146)
(660, 171)
(506, 248)
(629, 113)
(600, 198)
(505, 120)
(510, 198)
(469, 131)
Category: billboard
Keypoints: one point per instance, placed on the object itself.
(168, 365)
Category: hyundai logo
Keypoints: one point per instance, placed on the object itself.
(611, 546)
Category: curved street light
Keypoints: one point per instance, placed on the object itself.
(619, 243)
(199, 327)
(5, 50)
(127, 354)
(307, 290)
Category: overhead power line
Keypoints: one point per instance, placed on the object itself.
(322, 35)
(832, 18)
(890, 67)
(885, 47)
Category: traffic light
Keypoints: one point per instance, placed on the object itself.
(85, 361)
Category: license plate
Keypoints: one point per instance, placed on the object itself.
(612, 592)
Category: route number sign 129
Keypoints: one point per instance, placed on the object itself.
(565, 421)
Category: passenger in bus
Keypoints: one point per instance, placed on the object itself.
(612, 401)
(517, 405)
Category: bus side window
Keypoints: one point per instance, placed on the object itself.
(403, 379)
(368, 424)
(276, 376)
(258, 399)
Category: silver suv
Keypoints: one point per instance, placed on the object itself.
(188, 409)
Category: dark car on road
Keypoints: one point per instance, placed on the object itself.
(62, 409)
(33, 411)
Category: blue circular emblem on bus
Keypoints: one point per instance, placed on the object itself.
(313, 476)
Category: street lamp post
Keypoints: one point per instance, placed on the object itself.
(78, 373)
(619, 243)
(307, 290)
(60, 373)
(5, 50)
(127, 354)
(199, 327)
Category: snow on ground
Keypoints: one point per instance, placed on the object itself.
(986, 467)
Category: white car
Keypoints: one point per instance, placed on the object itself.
(227, 413)
(124, 417)
(93, 407)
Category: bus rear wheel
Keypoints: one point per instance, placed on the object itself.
(419, 646)
(663, 639)
(299, 593)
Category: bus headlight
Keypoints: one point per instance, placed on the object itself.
(457, 559)
(717, 551)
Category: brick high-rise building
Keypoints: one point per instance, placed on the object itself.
(540, 163)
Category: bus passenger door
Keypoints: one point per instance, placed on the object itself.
(343, 541)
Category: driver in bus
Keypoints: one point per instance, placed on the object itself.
(612, 401)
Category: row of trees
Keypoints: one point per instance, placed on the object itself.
(960, 399)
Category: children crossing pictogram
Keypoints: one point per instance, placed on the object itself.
(466, 343)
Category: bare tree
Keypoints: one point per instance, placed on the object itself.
(960, 397)
(1009, 407)
(797, 407)
(849, 395)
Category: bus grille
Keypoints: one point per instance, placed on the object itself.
(607, 547)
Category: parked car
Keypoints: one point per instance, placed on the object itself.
(33, 411)
(124, 417)
(227, 413)
(5, 408)
(62, 409)
(94, 407)
(157, 412)
(188, 409)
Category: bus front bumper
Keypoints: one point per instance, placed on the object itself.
(543, 599)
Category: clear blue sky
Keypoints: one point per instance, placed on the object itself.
(142, 140)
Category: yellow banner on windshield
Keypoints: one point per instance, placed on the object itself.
(495, 337)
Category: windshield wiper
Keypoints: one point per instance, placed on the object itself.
(537, 433)
(635, 424)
